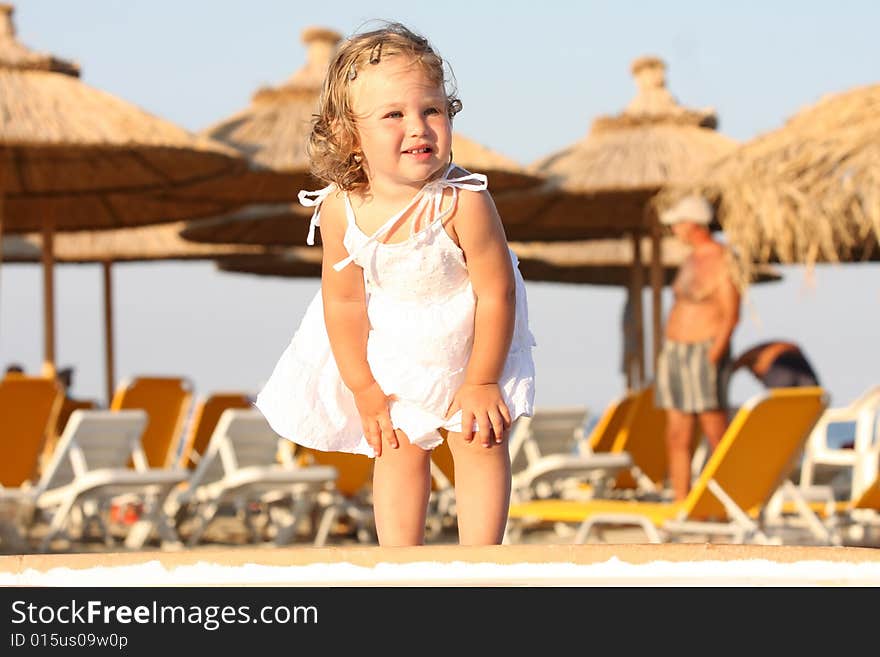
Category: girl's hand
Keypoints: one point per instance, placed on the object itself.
(483, 404)
(373, 406)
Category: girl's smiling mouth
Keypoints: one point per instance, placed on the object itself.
(422, 151)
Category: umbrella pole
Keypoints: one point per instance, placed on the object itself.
(109, 363)
(1, 225)
(2, 197)
(636, 287)
(656, 294)
(48, 297)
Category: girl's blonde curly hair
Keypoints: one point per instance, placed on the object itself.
(333, 141)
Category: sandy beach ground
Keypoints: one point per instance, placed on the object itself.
(543, 557)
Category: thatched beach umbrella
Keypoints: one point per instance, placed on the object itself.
(293, 262)
(138, 244)
(607, 179)
(602, 261)
(506, 177)
(273, 130)
(589, 262)
(20, 248)
(285, 224)
(73, 157)
(609, 262)
(807, 192)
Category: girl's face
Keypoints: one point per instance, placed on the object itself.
(402, 123)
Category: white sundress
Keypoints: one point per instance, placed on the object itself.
(420, 306)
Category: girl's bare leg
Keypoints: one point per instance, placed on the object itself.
(401, 486)
(482, 490)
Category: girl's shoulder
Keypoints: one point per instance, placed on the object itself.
(334, 200)
(333, 215)
(474, 212)
(471, 199)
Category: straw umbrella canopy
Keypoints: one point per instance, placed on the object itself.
(589, 262)
(137, 244)
(73, 157)
(606, 180)
(19, 248)
(293, 262)
(273, 130)
(608, 176)
(609, 262)
(583, 262)
(602, 261)
(506, 177)
(806, 192)
(288, 224)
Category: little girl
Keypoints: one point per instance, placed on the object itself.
(421, 325)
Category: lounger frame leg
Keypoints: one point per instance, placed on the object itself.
(587, 526)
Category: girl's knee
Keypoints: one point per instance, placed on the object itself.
(404, 452)
(474, 450)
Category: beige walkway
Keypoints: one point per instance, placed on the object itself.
(441, 565)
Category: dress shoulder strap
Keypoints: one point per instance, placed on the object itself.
(472, 182)
(431, 195)
(314, 199)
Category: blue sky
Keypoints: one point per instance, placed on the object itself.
(532, 77)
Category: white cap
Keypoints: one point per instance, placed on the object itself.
(689, 208)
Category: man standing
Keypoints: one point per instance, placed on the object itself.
(690, 381)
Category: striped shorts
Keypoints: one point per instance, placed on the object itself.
(688, 381)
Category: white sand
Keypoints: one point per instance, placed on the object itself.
(613, 572)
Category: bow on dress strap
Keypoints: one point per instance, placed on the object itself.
(472, 182)
(430, 194)
(313, 200)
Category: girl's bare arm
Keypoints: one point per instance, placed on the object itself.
(345, 315)
(480, 234)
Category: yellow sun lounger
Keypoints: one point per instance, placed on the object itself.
(240, 468)
(350, 501)
(753, 459)
(166, 401)
(604, 433)
(855, 518)
(205, 417)
(29, 407)
(549, 430)
(549, 456)
(643, 436)
(89, 467)
(633, 425)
